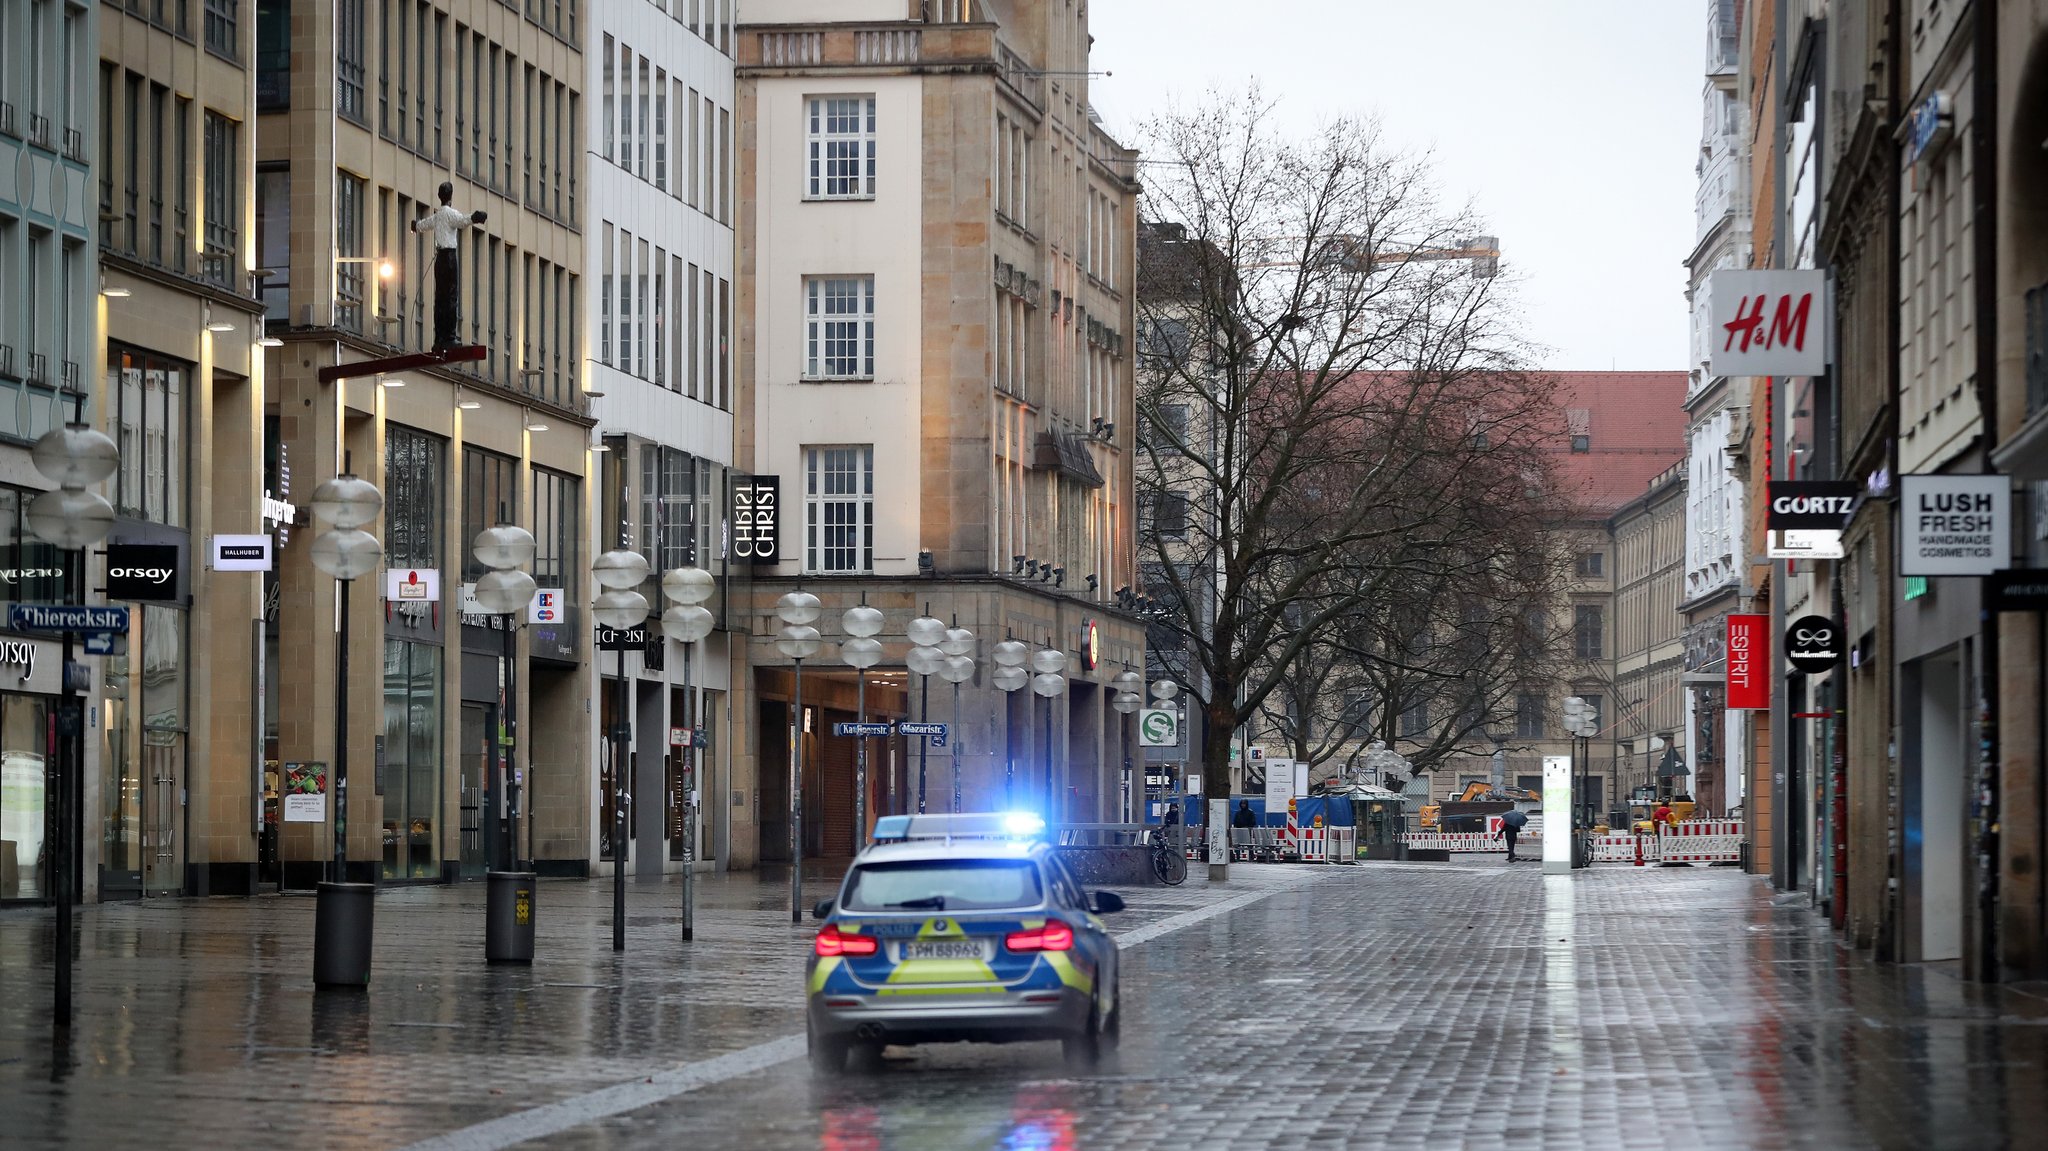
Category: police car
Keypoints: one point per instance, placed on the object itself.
(955, 928)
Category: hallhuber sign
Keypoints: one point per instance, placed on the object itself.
(1954, 525)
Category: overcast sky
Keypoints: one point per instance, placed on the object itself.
(1570, 125)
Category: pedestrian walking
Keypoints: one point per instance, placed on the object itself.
(1663, 817)
(1511, 826)
(1244, 816)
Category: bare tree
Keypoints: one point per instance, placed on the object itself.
(1317, 397)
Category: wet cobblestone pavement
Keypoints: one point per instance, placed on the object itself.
(1385, 1005)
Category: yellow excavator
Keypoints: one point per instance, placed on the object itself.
(1433, 814)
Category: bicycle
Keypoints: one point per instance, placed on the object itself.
(1168, 863)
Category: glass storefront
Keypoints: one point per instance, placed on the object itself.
(410, 777)
(24, 797)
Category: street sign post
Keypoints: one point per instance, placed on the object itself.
(79, 618)
(865, 729)
(1159, 727)
(936, 732)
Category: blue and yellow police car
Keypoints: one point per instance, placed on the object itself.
(962, 928)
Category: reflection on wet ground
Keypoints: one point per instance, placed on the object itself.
(1383, 1005)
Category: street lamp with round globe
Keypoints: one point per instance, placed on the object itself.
(619, 608)
(924, 631)
(862, 621)
(1011, 678)
(1127, 681)
(1048, 661)
(691, 585)
(860, 652)
(924, 660)
(1048, 684)
(347, 553)
(1011, 653)
(687, 623)
(346, 501)
(503, 546)
(957, 669)
(70, 518)
(798, 641)
(76, 455)
(958, 641)
(1164, 689)
(619, 569)
(798, 607)
(1127, 701)
(503, 592)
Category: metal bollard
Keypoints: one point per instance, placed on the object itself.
(343, 919)
(508, 917)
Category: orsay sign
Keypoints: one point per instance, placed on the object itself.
(142, 571)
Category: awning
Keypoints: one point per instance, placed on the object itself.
(1066, 452)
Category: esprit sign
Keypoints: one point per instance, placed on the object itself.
(142, 571)
(1749, 663)
(757, 519)
(1954, 525)
(1769, 323)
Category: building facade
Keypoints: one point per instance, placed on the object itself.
(1652, 745)
(936, 244)
(1716, 416)
(659, 246)
(51, 336)
(463, 758)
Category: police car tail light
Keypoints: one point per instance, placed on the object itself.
(833, 941)
(1054, 936)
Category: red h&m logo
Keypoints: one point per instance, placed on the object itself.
(1749, 663)
(1787, 327)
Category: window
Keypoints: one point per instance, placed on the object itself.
(668, 507)
(147, 396)
(1415, 720)
(349, 279)
(38, 566)
(409, 763)
(1528, 716)
(223, 204)
(839, 509)
(489, 496)
(1165, 514)
(412, 491)
(348, 60)
(1592, 564)
(273, 238)
(1171, 428)
(839, 328)
(841, 138)
(1588, 622)
(1582, 444)
(557, 516)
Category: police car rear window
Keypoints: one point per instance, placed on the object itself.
(944, 885)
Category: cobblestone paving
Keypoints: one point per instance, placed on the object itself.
(1426, 1006)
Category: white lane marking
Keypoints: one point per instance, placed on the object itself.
(606, 1102)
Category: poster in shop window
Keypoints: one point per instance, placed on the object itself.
(305, 793)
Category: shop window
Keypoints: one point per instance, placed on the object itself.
(146, 393)
(489, 494)
(410, 778)
(557, 514)
(412, 487)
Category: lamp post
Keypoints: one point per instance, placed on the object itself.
(1049, 662)
(72, 520)
(1010, 676)
(504, 590)
(924, 658)
(1163, 692)
(958, 669)
(687, 622)
(799, 641)
(342, 919)
(861, 651)
(620, 608)
(1127, 700)
(1581, 724)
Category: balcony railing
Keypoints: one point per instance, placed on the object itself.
(6, 360)
(38, 130)
(38, 368)
(7, 119)
(74, 144)
(2037, 350)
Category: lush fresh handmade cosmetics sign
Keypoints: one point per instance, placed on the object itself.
(1954, 525)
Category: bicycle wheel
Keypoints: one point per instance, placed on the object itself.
(1169, 864)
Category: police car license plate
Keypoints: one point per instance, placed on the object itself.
(943, 950)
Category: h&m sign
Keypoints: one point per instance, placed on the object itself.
(1769, 323)
(757, 519)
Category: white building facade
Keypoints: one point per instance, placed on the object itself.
(659, 329)
(1716, 419)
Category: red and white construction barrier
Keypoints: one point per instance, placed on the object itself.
(1701, 841)
(1319, 844)
(1469, 841)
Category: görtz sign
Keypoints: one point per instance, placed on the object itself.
(1954, 525)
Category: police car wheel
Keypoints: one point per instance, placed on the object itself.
(828, 1054)
(1085, 1049)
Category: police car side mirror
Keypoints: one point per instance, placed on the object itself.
(1104, 902)
(822, 909)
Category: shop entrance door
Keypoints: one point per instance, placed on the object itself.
(162, 813)
(478, 721)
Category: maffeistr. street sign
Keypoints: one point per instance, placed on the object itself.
(861, 729)
(936, 732)
(67, 617)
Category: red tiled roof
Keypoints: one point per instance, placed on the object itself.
(1637, 427)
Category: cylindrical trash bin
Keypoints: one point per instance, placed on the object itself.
(342, 920)
(508, 917)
